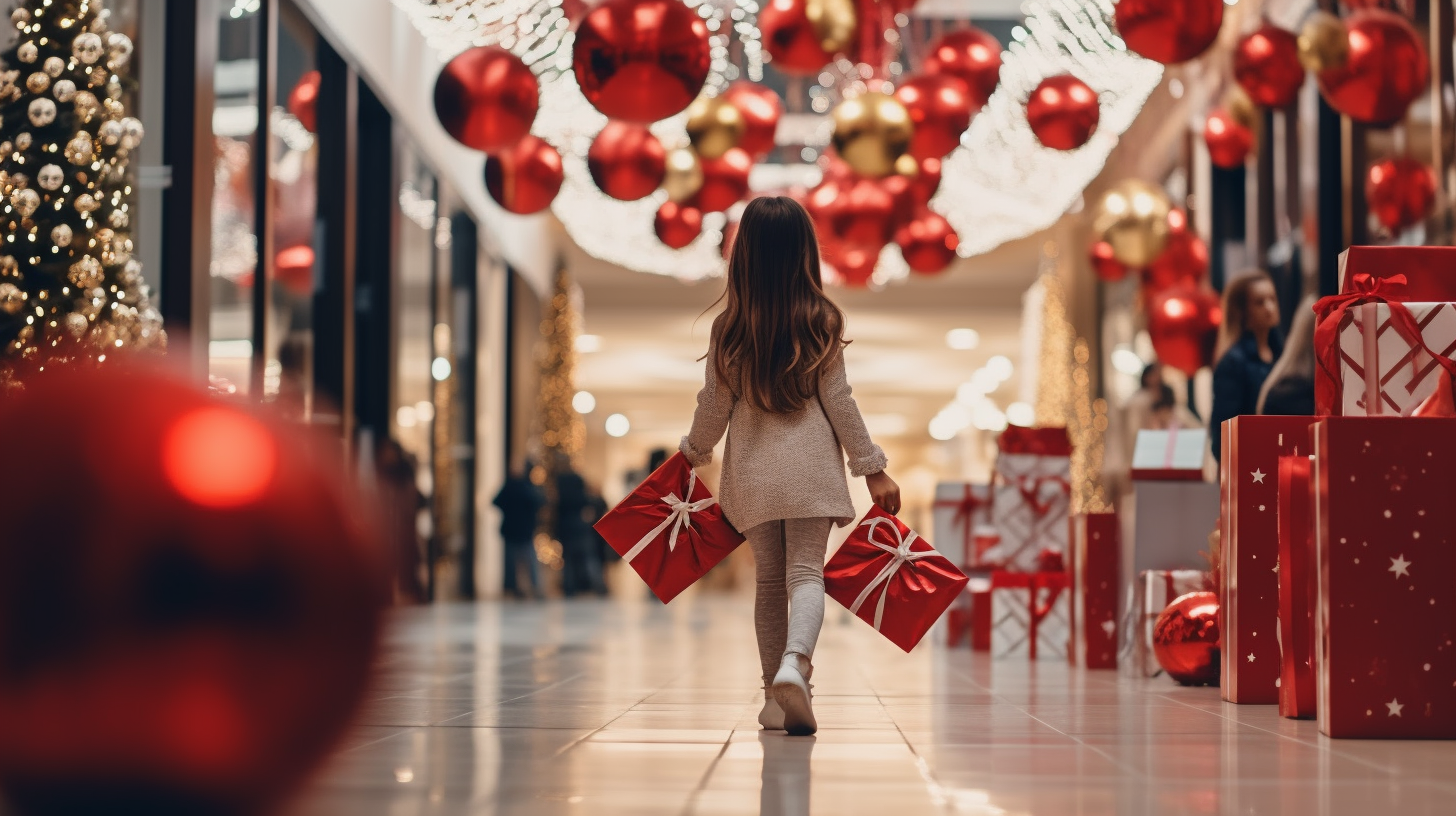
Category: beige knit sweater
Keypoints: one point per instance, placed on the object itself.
(783, 466)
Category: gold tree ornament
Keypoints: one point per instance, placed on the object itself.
(28, 52)
(118, 50)
(87, 106)
(835, 23)
(1324, 42)
(111, 132)
(25, 201)
(871, 132)
(42, 112)
(38, 82)
(51, 177)
(76, 325)
(86, 204)
(62, 235)
(88, 48)
(12, 300)
(24, 142)
(684, 177)
(81, 150)
(714, 126)
(65, 91)
(54, 66)
(1133, 218)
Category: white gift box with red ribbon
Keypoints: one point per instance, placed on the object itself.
(1381, 371)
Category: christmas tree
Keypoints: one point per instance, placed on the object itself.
(69, 287)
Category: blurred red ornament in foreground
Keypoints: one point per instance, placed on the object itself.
(524, 179)
(1063, 112)
(1186, 639)
(678, 225)
(928, 243)
(1166, 32)
(796, 45)
(1267, 67)
(293, 267)
(1229, 142)
(1183, 261)
(973, 56)
(486, 99)
(626, 161)
(199, 624)
(725, 181)
(1183, 324)
(1387, 69)
(940, 108)
(855, 265)
(1400, 192)
(864, 215)
(925, 183)
(761, 110)
(641, 60)
(303, 100)
(1105, 264)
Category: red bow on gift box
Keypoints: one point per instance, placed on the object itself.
(1030, 488)
(1036, 441)
(1362, 288)
(1035, 583)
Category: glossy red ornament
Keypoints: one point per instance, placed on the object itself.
(925, 183)
(1386, 71)
(973, 56)
(524, 179)
(855, 265)
(792, 41)
(200, 625)
(1267, 67)
(1229, 142)
(928, 243)
(293, 268)
(641, 60)
(486, 99)
(1183, 261)
(1400, 192)
(725, 181)
(303, 100)
(761, 110)
(1186, 639)
(1105, 264)
(940, 108)
(677, 225)
(626, 161)
(1063, 112)
(865, 216)
(1168, 32)
(1183, 324)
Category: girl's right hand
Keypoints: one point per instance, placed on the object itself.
(884, 491)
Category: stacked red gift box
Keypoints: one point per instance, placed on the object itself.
(1337, 531)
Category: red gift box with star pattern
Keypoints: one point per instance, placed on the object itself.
(1095, 570)
(1249, 552)
(1385, 548)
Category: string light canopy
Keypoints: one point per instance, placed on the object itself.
(1000, 184)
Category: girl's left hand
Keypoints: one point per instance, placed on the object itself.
(884, 491)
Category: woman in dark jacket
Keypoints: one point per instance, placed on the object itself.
(1249, 343)
(1289, 391)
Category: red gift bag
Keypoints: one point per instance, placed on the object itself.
(671, 540)
(892, 579)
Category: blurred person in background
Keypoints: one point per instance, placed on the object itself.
(402, 502)
(1153, 407)
(602, 551)
(1248, 344)
(581, 566)
(520, 502)
(1289, 391)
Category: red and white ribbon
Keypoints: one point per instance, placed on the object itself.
(903, 556)
(678, 520)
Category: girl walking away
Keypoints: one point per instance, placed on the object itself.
(775, 382)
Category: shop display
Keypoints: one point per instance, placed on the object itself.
(892, 579)
(1095, 583)
(961, 519)
(641, 60)
(1186, 639)
(1032, 496)
(1298, 585)
(670, 529)
(1030, 615)
(486, 99)
(1385, 619)
(1152, 592)
(1063, 112)
(1249, 551)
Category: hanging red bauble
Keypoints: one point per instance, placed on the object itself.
(940, 108)
(928, 243)
(926, 182)
(678, 225)
(1183, 324)
(1105, 264)
(1166, 32)
(864, 215)
(973, 56)
(641, 60)
(1183, 261)
(486, 98)
(626, 161)
(1063, 112)
(525, 178)
(725, 181)
(1229, 142)
(801, 37)
(1267, 67)
(1400, 192)
(303, 100)
(855, 265)
(199, 636)
(1385, 72)
(1186, 639)
(761, 110)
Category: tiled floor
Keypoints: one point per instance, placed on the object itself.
(627, 707)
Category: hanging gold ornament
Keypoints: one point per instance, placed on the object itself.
(81, 150)
(25, 201)
(38, 82)
(111, 132)
(87, 105)
(85, 273)
(132, 133)
(131, 274)
(62, 235)
(835, 23)
(9, 84)
(684, 175)
(104, 334)
(20, 17)
(50, 178)
(1133, 218)
(114, 108)
(86, 205)
(1324, 42)
(28, 52)
(118, 50)
(54, 66)
(9, 267)
(871, 132)
(19, 181)
(12, 300)
(119, 219)
(65, 90)
(87, 48)
(76, 325)
(1242, 108)
(42, 112)
(715, 126)
(23, 142)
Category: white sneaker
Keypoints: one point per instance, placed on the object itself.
(791, 691)
(771, 718)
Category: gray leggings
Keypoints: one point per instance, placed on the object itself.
(789, 558)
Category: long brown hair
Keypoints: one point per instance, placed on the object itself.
(1236, 309)
(778, 328)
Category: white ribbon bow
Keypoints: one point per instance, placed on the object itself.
(903, 556)
(679, 519)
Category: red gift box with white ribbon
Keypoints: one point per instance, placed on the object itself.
(670, 529)
(888, 576)
(1032, 496)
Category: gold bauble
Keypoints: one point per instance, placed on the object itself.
(1133, 218)
(1324, 42)
(715, 126)
(835, 23)
(87, 105)
(81, 150)
(85, 273)
(25, 201)
(38, 82)
(871, 132)
(12, 300)
(76, 325)
(86, 204)
(28, 52)
(54, 66)
(65, 90)
(1241, 107)
(24, 141)
(9, 267)
(684, 175)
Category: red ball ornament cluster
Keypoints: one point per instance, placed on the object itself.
(1400, 192)
(1385, 70)
(303, 100)
(1267, 67)
(486, 99)
(641, 60)
(971, 55)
